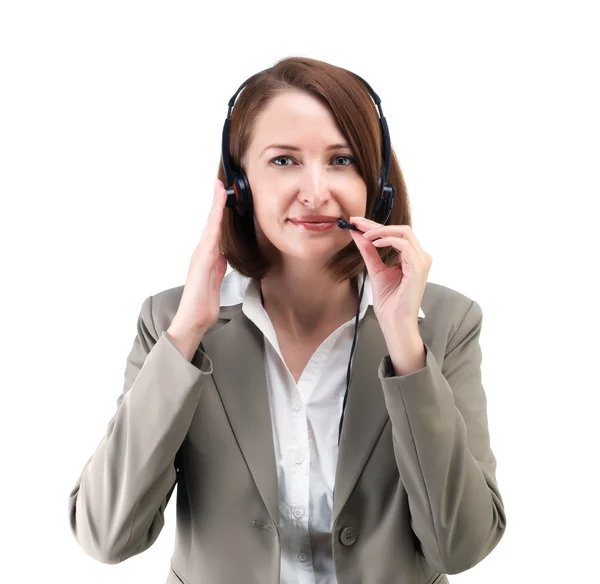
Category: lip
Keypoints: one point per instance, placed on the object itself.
(314, 219)
(322, 226)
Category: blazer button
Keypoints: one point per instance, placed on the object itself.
(348, 536)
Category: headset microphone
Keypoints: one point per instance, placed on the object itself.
(343, 224)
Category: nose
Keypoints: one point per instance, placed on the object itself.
(315, 185)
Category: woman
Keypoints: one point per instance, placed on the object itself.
(235, 385)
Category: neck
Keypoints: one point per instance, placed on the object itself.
(305, 304)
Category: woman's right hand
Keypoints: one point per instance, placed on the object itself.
(200, 302)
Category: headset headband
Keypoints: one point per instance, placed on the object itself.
(229, 166)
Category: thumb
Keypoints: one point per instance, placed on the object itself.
(369, 253)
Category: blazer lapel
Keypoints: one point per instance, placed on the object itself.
(365, 413)
(237, 352)
(236, 349)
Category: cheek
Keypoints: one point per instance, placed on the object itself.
(263, 238)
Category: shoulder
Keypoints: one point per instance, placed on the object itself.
(159, 308)
(438, 298)
(164, 304)
(448, 312)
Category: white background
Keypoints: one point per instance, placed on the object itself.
(110, 131)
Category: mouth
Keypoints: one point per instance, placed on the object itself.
(314, 225)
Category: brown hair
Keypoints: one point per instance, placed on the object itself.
(358, 120)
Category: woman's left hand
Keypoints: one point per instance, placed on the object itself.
(397, 290)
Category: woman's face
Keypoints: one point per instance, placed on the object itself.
(310, 178)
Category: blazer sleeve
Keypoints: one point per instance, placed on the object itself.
(442, 450)
(116, 508)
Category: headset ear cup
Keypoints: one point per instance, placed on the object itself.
(389, 192)
(245, 194)
(240, 193)
(378, 204)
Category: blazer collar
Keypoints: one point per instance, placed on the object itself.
(236, 348)
(236, 288)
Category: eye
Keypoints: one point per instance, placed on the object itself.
(350, 158)
(280, 158)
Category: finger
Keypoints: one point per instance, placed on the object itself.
(404, 231)
(211, 234)
(368, 223)
(372, 230)
(216, 212)
(370, 255)
(218, 197)
(408, 253)
(364, 224)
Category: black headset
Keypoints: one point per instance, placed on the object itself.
(239, 194)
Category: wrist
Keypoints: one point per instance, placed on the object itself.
(182, 327)
(186, 338)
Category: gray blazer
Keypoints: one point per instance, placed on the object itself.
(416, 495)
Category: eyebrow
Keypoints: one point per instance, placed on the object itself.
(297, 149)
